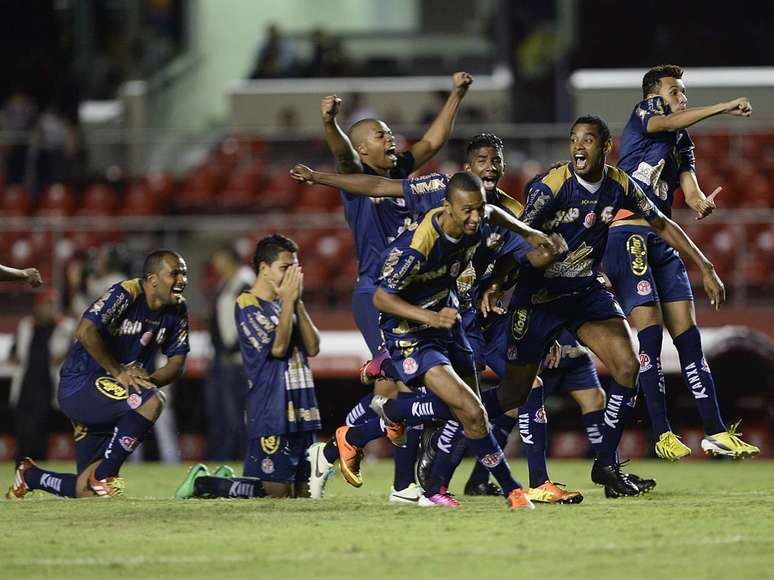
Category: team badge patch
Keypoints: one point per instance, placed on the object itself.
(410, 366)
(267, 465)
(492, 460)
(645, 364)
(638, 254)
(270, 445)
(128, 443)
(540, 415)
(520, 323)
(644, 288)
(589, 220)
(134, 400)
(455, 269)
(111, 388)
(513, 352)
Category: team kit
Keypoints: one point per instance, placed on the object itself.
(454, 276)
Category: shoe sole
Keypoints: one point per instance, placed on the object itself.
(404, 500)
(714, 451)
(672, 458)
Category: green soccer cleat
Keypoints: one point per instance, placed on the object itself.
(728, 444)
(186, 489)
(223, 471)
(670, 447)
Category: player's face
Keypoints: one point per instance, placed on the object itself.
(673, 92)
(171, 280)
(276, 271)
(486, 162)
(466, 210)
(587, 151)
(378, 147)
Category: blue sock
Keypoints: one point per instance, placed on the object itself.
(533, 431)
(698, 376)
(448, 438)
(593, 422)
(491, 404)
(61, 484)
(405, 459)
(417, 409)
(501, 429)
(235, 487)
(491, 456)
(361, 434)
(652, 378)
(361, 412)
(127, 435)
(619, 409)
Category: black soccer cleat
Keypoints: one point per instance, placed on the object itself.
(643, 484)
(427, 453)
(486, 488)
(616, 482)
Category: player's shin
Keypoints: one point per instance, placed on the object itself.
(501, 429)
(405, 458)
(618, 410)
(492, 457)
(652, 378)
(61, 484)
(127, 436)
(449, 438)
(208, 486)
(533, 432)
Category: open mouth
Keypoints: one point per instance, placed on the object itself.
(489, 181)
(579, 161)
(177, 293)
(391, 154)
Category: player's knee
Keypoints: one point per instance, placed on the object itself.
(473, 417)
(625, 370)
(151, 409)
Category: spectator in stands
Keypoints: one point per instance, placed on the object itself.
(17, 116)
(276, 57)
(40, 345)
(54, 148)
(75, 299)
(226, 388)
(328, 56)
(108, 270)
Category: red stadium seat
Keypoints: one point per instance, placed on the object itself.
(98, 200)
(139, 199)
(57, 200)
(279, 190)
(15, 202)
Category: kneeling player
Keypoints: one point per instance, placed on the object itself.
(276, 336)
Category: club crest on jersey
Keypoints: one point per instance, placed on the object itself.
(540, 415)
(270, 445)
(645, 364)
(455, 269)
(644, 288)
(520, 323)
(513, 352)
(589, 220)
(637, 250)
(134, 401)
(410, 366)
(109, 387)
(267, 465)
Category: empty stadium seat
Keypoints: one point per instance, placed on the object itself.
(16, 202)
(98, 200)
(57, 200)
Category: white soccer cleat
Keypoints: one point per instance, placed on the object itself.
(321, 470)
(410, 495)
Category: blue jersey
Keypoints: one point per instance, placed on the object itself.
(422, 267)
(375, 222)
(655, 160)
(281, 398)
(131, 331)
(559, 203)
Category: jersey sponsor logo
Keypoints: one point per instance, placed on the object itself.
(427, 186)
(607, 214)
(533, 207)
(644, 288)
(161, 336)
(645, 364)
(520, 323)
(410, 366)
(540, 415)
(492, 460)
(128, 443)
(577, 264)
(270, 445)
(79, 430)
(638, 252)
(130, 327)
(565, 216)
(134, 400)
(589, 220)
(112, 389)
(267, 465)
(391, 261)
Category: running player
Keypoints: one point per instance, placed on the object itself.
(106, 388)
(648, 276)
(276, 336)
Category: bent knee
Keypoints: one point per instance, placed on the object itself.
(625, 370)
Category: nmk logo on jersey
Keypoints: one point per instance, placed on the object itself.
(638, 252)
(111, 389)
(520, 323)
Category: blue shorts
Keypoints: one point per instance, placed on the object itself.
(643, 268)
(280, 458)
(533, 327)
(496, 341)
(471, 325)
(367, 319)
(578, 375)
(94, 409)
(413, 356)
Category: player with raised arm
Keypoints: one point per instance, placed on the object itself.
(276, 337)
(106, 389)
(29, 275)
(375, 222)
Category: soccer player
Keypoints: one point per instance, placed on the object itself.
(578, 201)
(370, 149)
(276, 337)
(29, 275)
(106, 388)
(648, 276)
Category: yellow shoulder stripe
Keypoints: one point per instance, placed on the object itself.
(425, 235)
(512, 205)
(556, 178)
(619, 176)
(133, 286)
(246, 299)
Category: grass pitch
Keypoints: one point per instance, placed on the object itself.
(704, 520)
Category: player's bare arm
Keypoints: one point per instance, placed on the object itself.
(438, 133)
(739, 107)
(170, 372)
(310, 336)
(29, 275)
(370, 185)
(347, 159)
(536, 238)
(694, 196)
(289, 292)
(397, 306)
(673, 235)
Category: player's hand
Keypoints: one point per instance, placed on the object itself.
(554, 356)
(538, 239)
(302, 174)
(136, 370)
(491, 301)
(704, 207)
(33, 277)
(461, 81)
(714, 288)
(445, 318)
(329, 108)
(289, 289)
(739, 107)
(130, 381)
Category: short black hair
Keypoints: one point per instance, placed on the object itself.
(155, 260)
(463, 181)
(598, 122)
(269, 248)
(652, 78)
(483, 140)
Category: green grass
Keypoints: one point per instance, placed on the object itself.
(704, 520)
